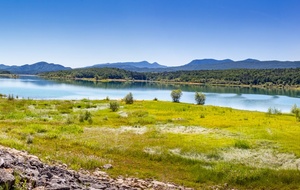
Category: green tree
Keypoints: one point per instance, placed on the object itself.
(176, 95)
(296, 110)
(200, 98)
(128, 98)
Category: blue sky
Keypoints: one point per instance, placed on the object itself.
(79, 33)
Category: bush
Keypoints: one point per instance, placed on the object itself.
(295, 110)
(200, 98)
(241, 144)
(87, 116)
(10, 97)
(298, 114)
(176, 95)
(274, 111)
(114, 106)
(29, 139)
(128, 98)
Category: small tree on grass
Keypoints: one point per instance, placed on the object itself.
(296, 110)
(10, 97)
(297, 113)
(128, 98)
(114, 106)
(176, 95)
(200, 98)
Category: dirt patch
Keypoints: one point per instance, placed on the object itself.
(123, 129)
(122, 114)
(169, 128)
(260, 158)
(153, 150)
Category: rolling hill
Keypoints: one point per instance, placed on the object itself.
(131, 66)
(33, 69)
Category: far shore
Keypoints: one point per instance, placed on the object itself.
(294, 87)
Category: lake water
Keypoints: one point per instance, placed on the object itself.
(235, 97)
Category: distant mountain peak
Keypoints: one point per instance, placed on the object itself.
(209, 61)
(131, 65)
(251, 60)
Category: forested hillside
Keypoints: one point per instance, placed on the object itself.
(233, 76)
(4, 72)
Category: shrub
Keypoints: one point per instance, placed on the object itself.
(128, 98)
(81, 118)
(200, 98)
(87, 116)
(176, 95)
(10, 97)
(114, 106)
(29, 139)
(294, 109)
(90, 120)
(298, 114)
(241, 144)
(274, 111)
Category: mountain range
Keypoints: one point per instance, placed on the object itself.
(144, 66)
(131, 65)
(34, 68)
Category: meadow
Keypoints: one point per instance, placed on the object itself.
(191, 145)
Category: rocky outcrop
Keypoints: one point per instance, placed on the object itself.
(23, 171)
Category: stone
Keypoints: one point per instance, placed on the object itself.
(39, 188)
(100, 173)
(41, 176)
(107, 166)
(6, 179)
(58, 187)
(1, 162)
(99, 186)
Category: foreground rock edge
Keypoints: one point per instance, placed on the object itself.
(18, 169)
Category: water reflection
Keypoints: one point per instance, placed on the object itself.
(235, 97)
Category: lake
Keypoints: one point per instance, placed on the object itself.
(235, 97)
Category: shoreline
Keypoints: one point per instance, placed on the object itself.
(295, 87)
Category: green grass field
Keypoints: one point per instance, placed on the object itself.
(192, 145)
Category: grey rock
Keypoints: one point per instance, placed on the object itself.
(1, 162)
(39, 188)
(58, 187)
(99, 186)
(107, 166)
(6, 179)
(40, 176)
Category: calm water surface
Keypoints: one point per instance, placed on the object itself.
(235, 97)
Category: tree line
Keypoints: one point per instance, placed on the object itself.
(232, 76)
(4, 72)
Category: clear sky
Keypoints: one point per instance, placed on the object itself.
(79, 33)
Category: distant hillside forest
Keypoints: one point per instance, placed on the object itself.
(4, 72)
(233, 76)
